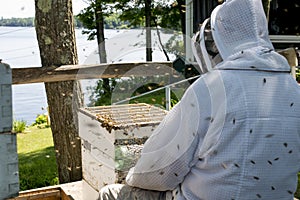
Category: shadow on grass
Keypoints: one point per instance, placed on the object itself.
(38, 169)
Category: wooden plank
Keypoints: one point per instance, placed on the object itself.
(64, 196)
(291, 56)
(79, 190)
(77, 72)
(46, 194)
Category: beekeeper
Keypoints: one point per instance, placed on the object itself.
(235, 134)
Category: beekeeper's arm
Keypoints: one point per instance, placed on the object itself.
(169, 153)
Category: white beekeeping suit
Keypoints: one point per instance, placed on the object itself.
(236, 132)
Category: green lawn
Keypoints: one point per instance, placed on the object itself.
(297, 194)
(158, 98)
(37, 165)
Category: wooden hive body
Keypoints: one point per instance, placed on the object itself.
(103, 128)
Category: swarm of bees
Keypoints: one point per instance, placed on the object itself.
(128, 117)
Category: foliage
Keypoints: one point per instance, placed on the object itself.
(128, 14)
(37, 162)
(133, 86)
(156, 98)
(86, 19)
(92, 18)
(102, 95)
(111, 21)
(25, 22)
(165, 13)
(132, 14)
(77, 21)
(19, 126)
(88, 16)
(175, 45)
(168, 14)
(40, 119)
(297, 193)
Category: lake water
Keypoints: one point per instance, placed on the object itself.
(19, 48)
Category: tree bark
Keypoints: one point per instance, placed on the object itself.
(101, 45)
(56, 38)
(181, 7)
(148, 30)
(159, 40)
(100, 31)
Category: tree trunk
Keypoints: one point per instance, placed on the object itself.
(148, 30)
(181, 7)
(56, 38)
(159, 40)
(100, 31)
(101, 45)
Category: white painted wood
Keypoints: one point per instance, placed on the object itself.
(9, 175)
(5, 98)
(100, 128)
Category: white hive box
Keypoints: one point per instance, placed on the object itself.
(9, 176)
(104, 128)
(5, 98)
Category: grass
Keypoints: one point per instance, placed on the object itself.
(19, 126)
(297, 193)
(37, 162)
(157, 98)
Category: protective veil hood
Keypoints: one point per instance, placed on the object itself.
(240, 32)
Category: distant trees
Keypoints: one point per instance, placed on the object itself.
(25, 22)
(110, 22)
(132, 14)
(92, 18)
(113, 21)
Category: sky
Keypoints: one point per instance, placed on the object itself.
(25, 8)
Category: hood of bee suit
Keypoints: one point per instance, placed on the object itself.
(240, 32)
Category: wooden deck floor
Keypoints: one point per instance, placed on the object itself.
(79, 190)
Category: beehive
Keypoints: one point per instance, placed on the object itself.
(5, 98)
(9, 176)
(103, 129)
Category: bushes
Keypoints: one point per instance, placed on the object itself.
(19, 126)
(41, 121)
